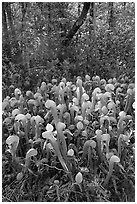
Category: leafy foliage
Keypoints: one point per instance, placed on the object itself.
(99, 46)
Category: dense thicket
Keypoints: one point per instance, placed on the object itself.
(46, 39)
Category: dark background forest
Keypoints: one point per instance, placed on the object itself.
(43, 40)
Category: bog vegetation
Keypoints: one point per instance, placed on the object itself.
(68, 109)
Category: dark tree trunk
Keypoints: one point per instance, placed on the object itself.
(6, 45)
(66, 42)
(77, 24)
(111, 17)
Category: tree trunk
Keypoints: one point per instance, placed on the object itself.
(79, 22)
(24, 10)
(111, 17)
(6, 46)
(17, 56)
(109, 45)
(92, 33)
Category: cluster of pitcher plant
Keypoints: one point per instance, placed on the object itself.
(77, 127)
